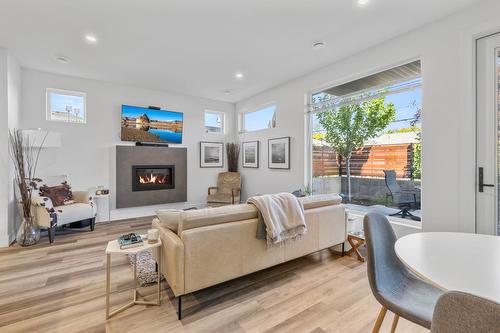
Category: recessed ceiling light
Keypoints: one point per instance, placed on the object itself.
(363, 2)
(227, 92)
(62, 59)
(238, 75)
(92, 39)
(318, 45)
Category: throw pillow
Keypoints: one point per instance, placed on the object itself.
(169, 218)
(59, 194)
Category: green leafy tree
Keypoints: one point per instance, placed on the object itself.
(348, 127)
(412, 128)
(417, 161)
(417, 148)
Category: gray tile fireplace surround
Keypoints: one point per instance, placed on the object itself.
(129, 156)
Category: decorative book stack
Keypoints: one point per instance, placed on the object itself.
(129, 240)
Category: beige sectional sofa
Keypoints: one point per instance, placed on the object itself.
(204, 247)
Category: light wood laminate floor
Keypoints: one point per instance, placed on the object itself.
(60, 288)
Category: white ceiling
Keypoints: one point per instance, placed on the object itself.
(196, 46)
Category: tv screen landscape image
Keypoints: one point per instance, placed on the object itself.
(151, 125)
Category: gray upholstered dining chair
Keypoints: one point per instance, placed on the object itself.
(393, 285)
(458, 312)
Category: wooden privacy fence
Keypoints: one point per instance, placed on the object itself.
(369, 161)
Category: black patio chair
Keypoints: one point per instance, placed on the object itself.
(405, 200)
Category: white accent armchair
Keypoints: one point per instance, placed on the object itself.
(48, 216)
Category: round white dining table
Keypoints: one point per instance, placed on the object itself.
(454, 261)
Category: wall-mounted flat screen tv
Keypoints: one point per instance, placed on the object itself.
(151, 125)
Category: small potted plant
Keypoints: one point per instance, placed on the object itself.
(308, 191)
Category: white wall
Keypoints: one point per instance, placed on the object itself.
(290, 121)
(14, 111)
(446, 50)
(10, 89)
(4, 152)
(87, 154)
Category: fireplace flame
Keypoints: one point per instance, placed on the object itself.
(152, 179)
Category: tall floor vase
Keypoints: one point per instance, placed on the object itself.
(28, 233)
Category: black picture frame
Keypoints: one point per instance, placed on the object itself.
(203, 162)
(257, 155)
(286, 151)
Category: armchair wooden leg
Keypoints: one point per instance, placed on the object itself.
(179, 307)
(92, 224)
(394, 323)
(52, 234)
(380, 319)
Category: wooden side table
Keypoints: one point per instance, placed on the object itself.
(114, 248)
(356, 240)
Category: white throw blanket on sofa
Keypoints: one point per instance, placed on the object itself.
(283, 216)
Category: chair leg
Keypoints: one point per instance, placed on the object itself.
(380, 319)
(394, 323)
(179, 307)
(52, 234)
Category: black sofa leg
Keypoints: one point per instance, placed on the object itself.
(52, 234)
(343, 251)
(156, 267)
(179, 307)
(92, 224)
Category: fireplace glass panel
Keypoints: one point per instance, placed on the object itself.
(149, 178)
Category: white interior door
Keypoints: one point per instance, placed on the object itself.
(488, 134)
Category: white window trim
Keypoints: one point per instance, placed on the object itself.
(241, 118)
(48, 106)
(223, 120)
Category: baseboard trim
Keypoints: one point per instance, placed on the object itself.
(6, 240)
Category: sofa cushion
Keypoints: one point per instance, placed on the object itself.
(54, 180)
(178, 220)
(75, 212)
(169, 218)
(320, 200)
(227, 181)
(220, 198)
(210, 216)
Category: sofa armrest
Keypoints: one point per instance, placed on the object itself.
(42, 202)
(43, 211)
(235, 194)
(172, 258)
(212, 190)
(83, 197)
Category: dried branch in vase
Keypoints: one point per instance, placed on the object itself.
(233, 154)
(25, 153)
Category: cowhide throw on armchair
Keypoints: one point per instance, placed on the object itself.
(60, 194)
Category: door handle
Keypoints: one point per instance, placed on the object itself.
(482, 185)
